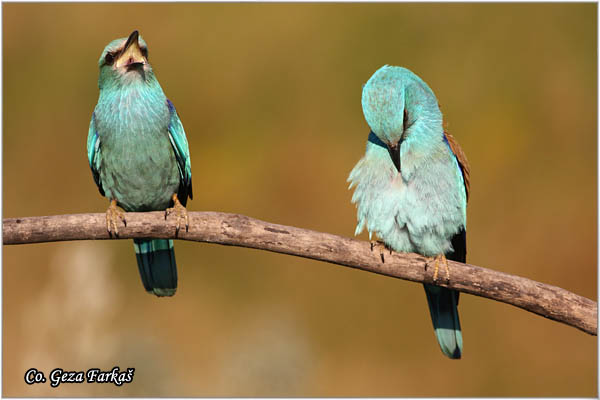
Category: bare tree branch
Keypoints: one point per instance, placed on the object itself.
(238, 230)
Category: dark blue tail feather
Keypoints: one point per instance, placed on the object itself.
(442, 304)
(156, 263)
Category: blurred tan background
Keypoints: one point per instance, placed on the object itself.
(269, 95)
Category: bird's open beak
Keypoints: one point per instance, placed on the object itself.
(131, 55)
(394, 151)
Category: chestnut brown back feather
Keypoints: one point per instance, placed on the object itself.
(462, 161)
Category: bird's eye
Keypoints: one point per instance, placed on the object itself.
(145, 52)
(109, 59)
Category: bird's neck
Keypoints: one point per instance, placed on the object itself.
(136, 108)
(423, 143)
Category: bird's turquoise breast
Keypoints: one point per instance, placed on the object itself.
(138, 165)
(420, 214)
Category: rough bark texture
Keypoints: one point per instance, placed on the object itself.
(238, 230)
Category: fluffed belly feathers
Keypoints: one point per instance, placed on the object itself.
(419, 215)
(141, 175)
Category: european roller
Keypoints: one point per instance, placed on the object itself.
(139, 155)
(412, 184)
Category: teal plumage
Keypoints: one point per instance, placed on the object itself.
(411, 186)
(138, 153)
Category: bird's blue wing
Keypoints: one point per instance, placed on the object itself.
(93, 153)
(182, 154)
(459, 241)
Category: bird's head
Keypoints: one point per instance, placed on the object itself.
(393, 100)
(125, 61)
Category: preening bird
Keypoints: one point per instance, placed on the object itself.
(139, 155)
(412, 185)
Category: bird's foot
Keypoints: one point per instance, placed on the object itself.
(180, 211)
(440, 258)
(381, 247)
(113, 214)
